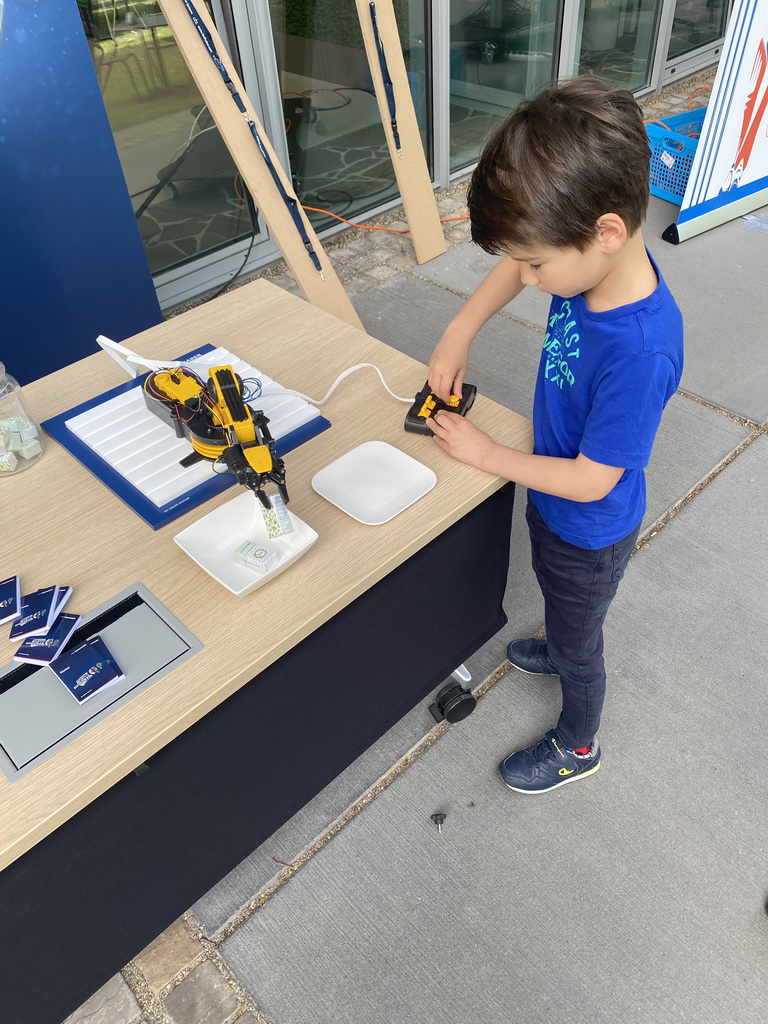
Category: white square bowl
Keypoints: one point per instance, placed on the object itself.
(213, 540)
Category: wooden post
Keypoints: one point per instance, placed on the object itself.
(326, 291)
(409, 162)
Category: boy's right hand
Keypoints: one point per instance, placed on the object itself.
(451, 356)
(448, 365)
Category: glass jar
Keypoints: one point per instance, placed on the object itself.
(21, 442)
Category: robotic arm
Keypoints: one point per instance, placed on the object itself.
(220, 426)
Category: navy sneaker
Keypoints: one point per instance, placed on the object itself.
(531, 656)
(547, 765)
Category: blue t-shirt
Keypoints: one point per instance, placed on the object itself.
(603, 382)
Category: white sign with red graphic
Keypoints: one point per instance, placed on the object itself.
(729, 173)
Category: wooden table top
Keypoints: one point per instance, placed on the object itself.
(62, 525)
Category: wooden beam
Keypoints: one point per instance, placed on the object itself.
(326, 291)
(409, 162)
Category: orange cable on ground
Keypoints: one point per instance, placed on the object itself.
(707, 88)
(363, 227)
(397, 231)
(373, 227)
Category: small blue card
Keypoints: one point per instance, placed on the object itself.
(10, 599)
(42, 650)
(87, 668)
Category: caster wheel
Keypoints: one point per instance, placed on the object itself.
(452, 704)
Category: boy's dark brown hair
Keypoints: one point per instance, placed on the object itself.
(561, 160)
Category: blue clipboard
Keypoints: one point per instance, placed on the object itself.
(152, 514)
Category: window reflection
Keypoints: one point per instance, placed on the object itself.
(185, 189)
(617, 41)
(500, 51)
(339, 156)
(696, 23)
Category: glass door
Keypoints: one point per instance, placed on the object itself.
(336, 147)
(618, 41)
(194, 214)
(500, 52)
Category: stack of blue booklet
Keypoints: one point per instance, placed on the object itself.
(87, 668)
(41, 625)
(45, 630)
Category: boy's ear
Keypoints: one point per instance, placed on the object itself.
(611, 232)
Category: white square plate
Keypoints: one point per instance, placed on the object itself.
(213, 540)
(374, 482)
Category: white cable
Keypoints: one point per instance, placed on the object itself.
(192, 136)
(267, 392)
(126, 357)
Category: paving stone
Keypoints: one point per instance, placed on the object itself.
(361, 262)
(383, 247)
(170, 953)
(358, 244)
(447, 202)
(383, 271)
(457, 234)
(114, 1003)
(401, 244)
(344, 271)
(401, 262)
(341, 252)
(360, 284)
(203, 997)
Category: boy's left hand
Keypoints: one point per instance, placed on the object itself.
(462, 439)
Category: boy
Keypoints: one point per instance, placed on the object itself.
(561, 191)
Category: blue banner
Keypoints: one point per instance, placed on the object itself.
(73, 261)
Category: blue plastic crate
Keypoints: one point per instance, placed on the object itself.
(672, 151)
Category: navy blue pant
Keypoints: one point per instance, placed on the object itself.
(578, 585)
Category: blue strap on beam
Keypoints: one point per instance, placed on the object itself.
(290, 201)
(388, 87)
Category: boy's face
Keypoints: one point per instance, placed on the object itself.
(565, 272)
